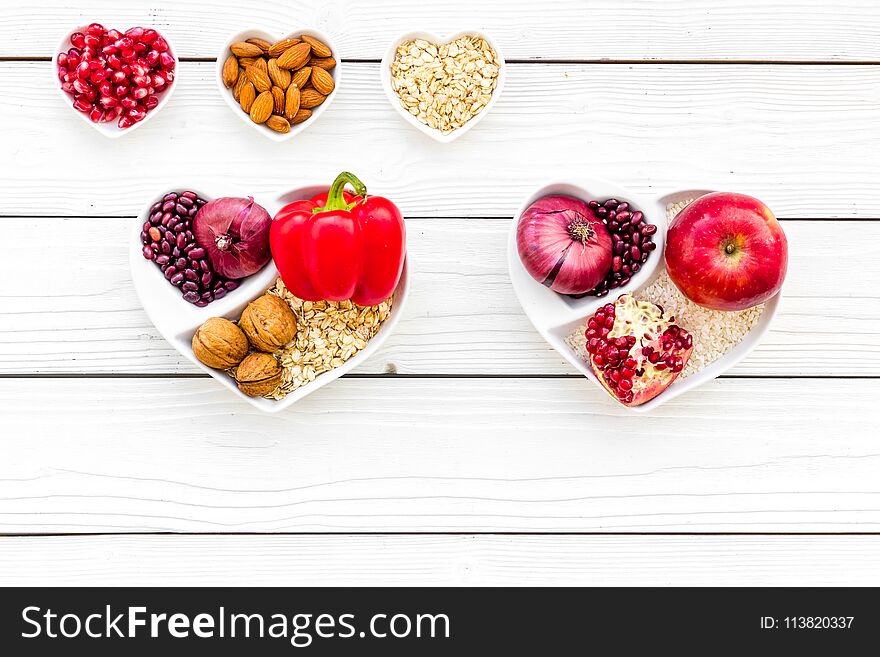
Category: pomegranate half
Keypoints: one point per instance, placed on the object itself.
(636, 352)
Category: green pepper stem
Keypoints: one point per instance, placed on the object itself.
(335, 199)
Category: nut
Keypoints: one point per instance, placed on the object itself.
(246, 99)
(320, 49)
(291, 102)
(230, 71)
(278, 123)
(245, 49)
(309, 98)
(300, 116)
(219, 344)
(258, 374)
(281, 46)
(262, 43)
(322, 81)
(259, 78)
(262, 107)
(239, 85)
(278, 98)
(279, 76)
(295, 57)
(268, 322)
(327, 63)
(301, 76)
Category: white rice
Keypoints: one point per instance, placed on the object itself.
(715, 332)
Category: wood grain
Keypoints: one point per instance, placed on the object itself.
(80, 313)
(434, 455)
(563, 29)
(359, 560)
(795, 136)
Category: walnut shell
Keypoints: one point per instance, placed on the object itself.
(268, 322)
(258, 374)
(220, 344)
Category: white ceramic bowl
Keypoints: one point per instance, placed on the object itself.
(111, 129)
(394, 99)
(268, 36)
(178, 320)
(556, 316)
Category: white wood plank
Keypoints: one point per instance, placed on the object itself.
(79, 312)
(411, 455)
(400, 560)
(795, 136)
(570, 29)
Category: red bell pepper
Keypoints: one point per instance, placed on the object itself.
(337, 246)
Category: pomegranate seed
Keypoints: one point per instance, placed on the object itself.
(128, 103)
(137, 114)
(160, 44)
(96, 115)
(169, 77)
(82, 71)
(151, 102)
(125, 122)
(82, 105)
(92, 41)
(166, 60)
(109, 50)
(105, 89)
(113, 61)
(127, 54)
(95, 29)
(78, 39)
(140, 93)
(135, 33)
(149, 36)
(108, 101)
(158, 81)
(152, 57)
(63, 74)
(62, 59)
(113, 35)
(626, 384)
(67, 88)
(81, 86)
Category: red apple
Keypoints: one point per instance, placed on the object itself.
(726, 251)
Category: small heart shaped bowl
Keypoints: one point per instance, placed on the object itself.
(394, 99)
(268, 36)
(556, 316)
(111, 129)
(178, 320)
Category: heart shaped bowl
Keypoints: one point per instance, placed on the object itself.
(394, 99)
(110, 129)
(178, 320)
(556, 316)
(268, 36)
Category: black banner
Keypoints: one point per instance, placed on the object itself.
(433, 621)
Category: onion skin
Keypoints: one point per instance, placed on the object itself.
(563, 245)
(235, 234)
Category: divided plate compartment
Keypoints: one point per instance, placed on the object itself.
(111, 129)
(556, 316)
(177, 320)
(394, 99)
(271, 38)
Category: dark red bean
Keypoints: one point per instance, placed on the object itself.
(165, 247)
(624, 281)
(611, 203)
(148, 253)
(189, 195)
(207, 278)
(613, 225)
(220, 292)
(593, 204)
(648, 229)
(190, 275)
(185, 201)
(200, 303)
(190, 286)
(192, 297)
(616, 263)
(601, 212)
(162, 260)
(649, 246)
(617, 248)
(635, 252)
(177, 279)
(198, 253)
(626, 270)
(623, 216)
(637, 267)
(636, 218)
(230, 285)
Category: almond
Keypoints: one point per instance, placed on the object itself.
(301, 77)
(278, 75)
(320, 49)
(300, 116)
(262, 64)
(309, 98)
(322, 81)
(278, 123)
(291, 102)
(230, 72)
(245, 49)
(262, 43)
(247, 96)
(281, 46)
(239, 85)
(244, 62)
(295, 57)
(259, 78)
(262, 108)
(278, 98)
(327, 63)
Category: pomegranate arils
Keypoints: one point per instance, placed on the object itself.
(640, 353)
(107, 72)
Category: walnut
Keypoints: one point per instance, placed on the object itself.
(258, 374)
(268, 322)
(220, 344)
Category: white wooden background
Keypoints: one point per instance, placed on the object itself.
(466, 451)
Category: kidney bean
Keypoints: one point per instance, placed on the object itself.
(192, 297)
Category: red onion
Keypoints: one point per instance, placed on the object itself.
(235, 234)
(563, 245)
